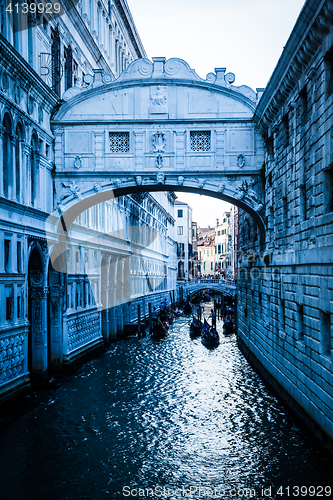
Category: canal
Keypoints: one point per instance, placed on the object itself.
(169, 415)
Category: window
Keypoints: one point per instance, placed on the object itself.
(219, 248)
(325, 333)
(328, 60)
(304, 104)
(180, 213)
(68, 67)
(300, 322)
(7, 256)
(328, 189)
(180, 230)
(19, 257)
(200, 140)
(282, 314)
(119, 142)
(211, 266)
(9, 303)
(285, 130)
(56, 61)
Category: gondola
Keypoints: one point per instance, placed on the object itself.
(196, 327)
(187, 307)
(228, 327)
(209, 337)
(160, 330)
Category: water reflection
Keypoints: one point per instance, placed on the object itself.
(146, 413)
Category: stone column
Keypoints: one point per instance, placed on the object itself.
(14, 142)
(26, 174)
(11, 168)
(2, 130)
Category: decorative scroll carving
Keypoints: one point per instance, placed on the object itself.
(159, 142)
(201, 183)
(221, 187)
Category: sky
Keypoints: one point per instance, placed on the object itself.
(244, 36)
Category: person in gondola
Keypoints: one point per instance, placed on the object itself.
(199, 312)
(154, 317)
(163, 314)
(213, 316)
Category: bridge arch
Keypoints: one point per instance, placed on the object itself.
(158, 127)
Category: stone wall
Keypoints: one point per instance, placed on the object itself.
(286, 287)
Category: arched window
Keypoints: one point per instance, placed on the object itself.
(7, 174)
(34, 173)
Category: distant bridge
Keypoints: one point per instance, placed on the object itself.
(218, 285)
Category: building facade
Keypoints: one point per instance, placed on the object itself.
(285, 287)
(223, 246)
(183, 216)
(55, 310)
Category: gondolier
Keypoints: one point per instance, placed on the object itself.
(199, 312)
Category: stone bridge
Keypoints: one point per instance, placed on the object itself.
(158, 127)
(218, 285)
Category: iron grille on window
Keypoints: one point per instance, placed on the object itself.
(119, 142)
(200, 140)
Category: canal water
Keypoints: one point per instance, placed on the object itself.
(160, 419)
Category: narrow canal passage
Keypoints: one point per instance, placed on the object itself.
(159, 414)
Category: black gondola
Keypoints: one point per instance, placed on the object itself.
(209, 336)
(187, 307)
(160, 330)
(196, 327)
(228, 327)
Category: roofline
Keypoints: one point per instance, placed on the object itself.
(289, 67)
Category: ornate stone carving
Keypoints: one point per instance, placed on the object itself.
(30, 104)
(138, 180)
(74, 190)
(17, 93)
(158, 98)
(221, 187)
(97, 188)
(160, 178)
(4, 81)
(180, 180)
(229, 79)
(12, 357)
(201, 183)
(240, 161)
(159, 161)
(77, 162)
(159, 142)
(83, 329)
(117, 183)
(36, 278)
